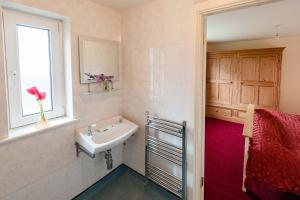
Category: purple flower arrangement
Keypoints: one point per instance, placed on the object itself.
(101, 78)
(107, 81)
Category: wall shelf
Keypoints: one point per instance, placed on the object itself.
(101, 92)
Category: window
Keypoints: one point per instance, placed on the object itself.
(34, 58)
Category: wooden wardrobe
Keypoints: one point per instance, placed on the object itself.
(235, 79)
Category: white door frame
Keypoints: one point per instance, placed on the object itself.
(202, 10)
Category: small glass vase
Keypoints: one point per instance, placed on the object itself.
(108, 85)
(43, 121)
(105, 85)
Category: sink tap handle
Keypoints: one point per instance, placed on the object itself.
(90, 127)
(120, 119)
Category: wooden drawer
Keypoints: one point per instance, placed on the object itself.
(242, 114)
(216, 111)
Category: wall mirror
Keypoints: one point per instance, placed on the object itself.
(98, 56)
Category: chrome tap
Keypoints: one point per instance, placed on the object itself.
(120, 119)
(90, 129)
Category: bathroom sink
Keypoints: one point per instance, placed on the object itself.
(105, 134)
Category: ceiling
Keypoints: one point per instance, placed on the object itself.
(121, 4)
(126, 4)
(257, 22)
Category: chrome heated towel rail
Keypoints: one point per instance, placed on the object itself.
(165, 154)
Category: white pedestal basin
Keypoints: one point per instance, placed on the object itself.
(106, 134)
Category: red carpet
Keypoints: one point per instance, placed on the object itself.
(224, 157)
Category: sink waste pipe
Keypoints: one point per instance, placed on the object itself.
(109, 160)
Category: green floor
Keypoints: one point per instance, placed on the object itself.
(125, 184)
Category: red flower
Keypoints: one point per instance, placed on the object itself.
(39, 95)
(32, 90)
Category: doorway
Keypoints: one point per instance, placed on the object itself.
(229, 119)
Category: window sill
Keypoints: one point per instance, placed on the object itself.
(18, 133)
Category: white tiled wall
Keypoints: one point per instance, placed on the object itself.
(157, 70)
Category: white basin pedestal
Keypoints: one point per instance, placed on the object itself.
(104, 136)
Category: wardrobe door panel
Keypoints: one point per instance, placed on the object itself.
(249, 68)
(225, 69)
(266, 97)
(247, 94)
(211, 92)
(225, 93)
(267, 68)
(212, 69)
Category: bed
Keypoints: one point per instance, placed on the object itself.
(286, 127)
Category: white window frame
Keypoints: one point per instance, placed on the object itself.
(11, 19)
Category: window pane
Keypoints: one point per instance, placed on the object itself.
(35, 66)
